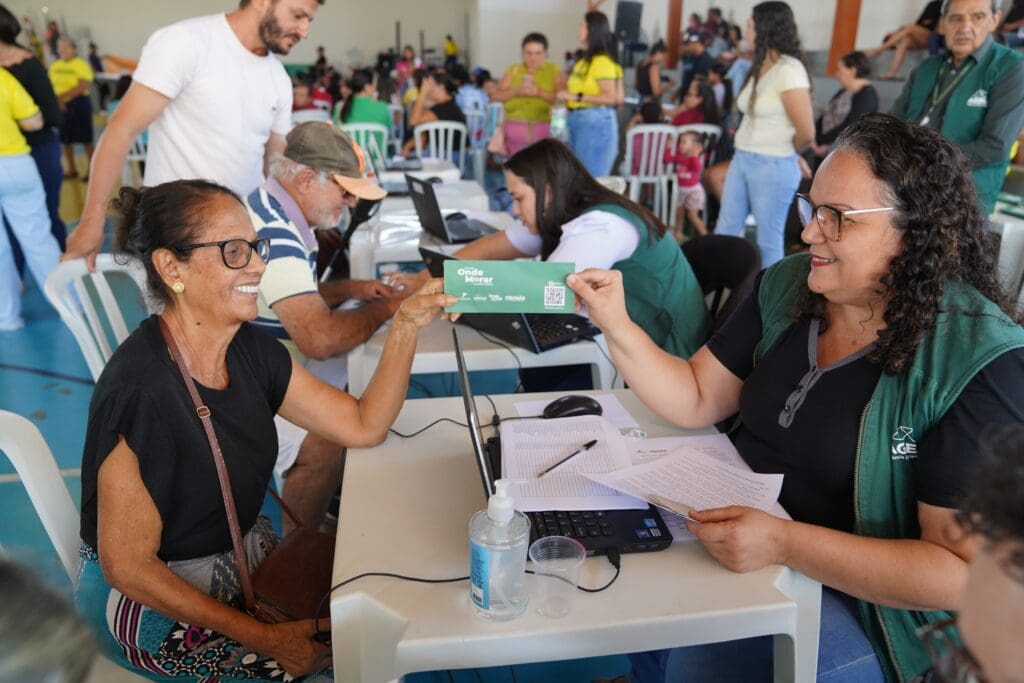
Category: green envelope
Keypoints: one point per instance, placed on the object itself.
(509, 286)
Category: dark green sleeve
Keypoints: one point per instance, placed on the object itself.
(1003, 120)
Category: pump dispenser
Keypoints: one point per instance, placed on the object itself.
(498, 539)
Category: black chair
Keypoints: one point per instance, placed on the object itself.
(364, 210)
(723, 263)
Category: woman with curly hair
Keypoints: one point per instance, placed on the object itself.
(778, 122)
(864, 372)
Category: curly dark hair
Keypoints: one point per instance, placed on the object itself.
(775, 29)
(927, 180)
(993, 506)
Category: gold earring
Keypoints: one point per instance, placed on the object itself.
(178, 287)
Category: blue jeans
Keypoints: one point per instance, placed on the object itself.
(23, 202)
(594, 138)
(47, 157)
(1013, 39)
(764, 186)
(844, 654)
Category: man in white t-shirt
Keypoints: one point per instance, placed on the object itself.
(216, 100)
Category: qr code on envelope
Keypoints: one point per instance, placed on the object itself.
(554, 296)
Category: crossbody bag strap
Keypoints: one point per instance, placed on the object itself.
(203, 412)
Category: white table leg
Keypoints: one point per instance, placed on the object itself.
(796, 653)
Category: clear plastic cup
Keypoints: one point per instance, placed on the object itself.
(556, 565)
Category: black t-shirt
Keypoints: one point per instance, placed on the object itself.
(32, 76)
(1016, 12)
(141, 395)
(817, 450)
(449, 111)
(930, 15)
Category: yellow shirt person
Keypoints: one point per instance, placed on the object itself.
(66, 74)
(15, 104)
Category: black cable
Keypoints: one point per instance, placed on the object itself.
(496, 419)
(519, 364)
(615, 369)
(324, 636)
(423, 429)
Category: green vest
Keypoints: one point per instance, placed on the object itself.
(969, 333)
(663, 296)
(962, 122)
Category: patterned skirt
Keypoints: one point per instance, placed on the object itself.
(163, 649)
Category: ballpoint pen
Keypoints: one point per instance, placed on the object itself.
(582, 449)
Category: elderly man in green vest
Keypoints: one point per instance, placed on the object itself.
(973, 95)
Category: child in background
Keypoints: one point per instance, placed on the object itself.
(698, 106)
(649, 112)
(689, 161)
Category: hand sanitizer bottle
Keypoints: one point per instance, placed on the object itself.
(498, 539)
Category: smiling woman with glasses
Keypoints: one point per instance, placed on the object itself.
(156, 542)
(864, 371)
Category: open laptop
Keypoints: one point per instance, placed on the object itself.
(628, 531)
(454, 229)
(536, 332)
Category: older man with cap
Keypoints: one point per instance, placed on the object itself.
(318, 175)
(973, 95)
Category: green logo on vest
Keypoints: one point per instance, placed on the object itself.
(903, 445)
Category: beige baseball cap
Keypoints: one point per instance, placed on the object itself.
(321, 145)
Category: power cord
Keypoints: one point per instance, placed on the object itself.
(615, 369)
(519, 364)
(423, 429)
(322, 636)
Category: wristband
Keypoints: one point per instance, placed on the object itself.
(579, 97)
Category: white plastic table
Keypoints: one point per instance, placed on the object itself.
(458, 195)
(405, 508)
(396, 236)
(446, 170)
(435, 352)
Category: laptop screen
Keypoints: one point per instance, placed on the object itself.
(472, 419)
(427, 209)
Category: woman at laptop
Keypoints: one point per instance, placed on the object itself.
(864, 371)
(567, 216)
(157, 576)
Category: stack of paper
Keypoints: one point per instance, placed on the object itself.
(528, 447)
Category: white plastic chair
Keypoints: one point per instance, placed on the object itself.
(645, 165)
(476, 124)
(614, 183)
(712, 134)
(366, 135)
(397, 126)
(304, 115)
(136, 155)
(87, 305)
(1010, 263)
(441, 137)
(26, 449)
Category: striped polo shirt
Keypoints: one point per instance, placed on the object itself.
(291, 270)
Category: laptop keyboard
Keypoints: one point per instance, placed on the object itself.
(548, 330)
(575, 524)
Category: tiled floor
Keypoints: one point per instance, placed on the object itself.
(44, 377)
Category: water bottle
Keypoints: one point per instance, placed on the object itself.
(498, 539)
(559, 122)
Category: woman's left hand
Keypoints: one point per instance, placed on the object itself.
(565, 96)
(425, 305)
(743, 539)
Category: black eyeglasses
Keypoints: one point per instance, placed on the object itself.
(830, 219)
(235, 253)
(952, 662)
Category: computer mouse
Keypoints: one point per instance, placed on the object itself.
(434, 180)
(572, 405)
(456, 216)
